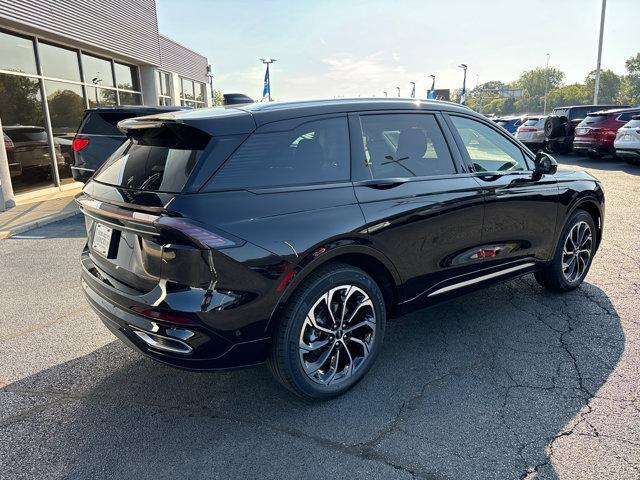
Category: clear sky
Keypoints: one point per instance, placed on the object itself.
(348, 48)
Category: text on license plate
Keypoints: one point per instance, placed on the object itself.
(102, 239)
(626, 137)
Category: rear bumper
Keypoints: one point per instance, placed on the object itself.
(192, 346)
(592, 147)
(628, 153)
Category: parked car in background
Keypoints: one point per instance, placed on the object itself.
(229, 237)
(229, 99)
(98, 135)
(559, 127)
(627, 142)
(510, 124)
(531, 132)
(28, 152)
(594, 136)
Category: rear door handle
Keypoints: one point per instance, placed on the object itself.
(383, 183)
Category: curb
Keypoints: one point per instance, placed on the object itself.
(4, 234)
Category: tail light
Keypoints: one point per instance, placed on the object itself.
(528, 129)
(200, 236)
(79, 143)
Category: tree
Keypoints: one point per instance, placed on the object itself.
(630, 89)
(610, 84)
(574, 94)
(66, 108)
(533, 83)
(217, 98)
(20, 101)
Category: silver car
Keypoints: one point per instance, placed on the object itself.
(627, 142)
(531, 132)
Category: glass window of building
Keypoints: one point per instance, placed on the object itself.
(99, 97)
(59, 62)
(66, 108)
(28, 152)
(192, 93)
(163, 86)
(97, 71)
(126, 77)
(130, 98)
(17, 54)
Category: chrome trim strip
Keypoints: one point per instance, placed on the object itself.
(83, 169)
(482, 278)
(116, 226)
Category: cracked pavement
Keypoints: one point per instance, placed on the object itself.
(509, 382)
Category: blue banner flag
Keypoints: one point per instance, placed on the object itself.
(432, 93)
(267, 84)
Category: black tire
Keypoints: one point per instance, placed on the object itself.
(552, 276)
(594, 155)
(285, 360)
(553, 126)
(549, 147)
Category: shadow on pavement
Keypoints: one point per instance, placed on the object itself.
(607, 163)
(475, 388)
(72, 227)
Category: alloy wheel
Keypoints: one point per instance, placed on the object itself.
(576, 252)
(337, 335)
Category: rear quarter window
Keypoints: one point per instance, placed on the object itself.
(313, 152)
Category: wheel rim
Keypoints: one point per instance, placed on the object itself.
(576, 253)
(337, 335)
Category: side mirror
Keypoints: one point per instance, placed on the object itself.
(545, 164)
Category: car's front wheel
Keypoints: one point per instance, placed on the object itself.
(330, 333)
(574, 253)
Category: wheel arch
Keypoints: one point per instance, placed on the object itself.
(366, 258)
(592, 207)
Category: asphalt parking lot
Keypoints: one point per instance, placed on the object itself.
(510, 382)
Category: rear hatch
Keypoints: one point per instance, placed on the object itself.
(590, 126)
(628, 136)
(532, 130)
(135, 237)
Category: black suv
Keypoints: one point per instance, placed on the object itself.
(291, 232)
(98, 135)
(559, 127)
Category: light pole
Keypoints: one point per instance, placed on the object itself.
(398, 88)
(597, 83)
(432, 93)
(413, 89)
(267, 77)
(546, 84)
(464, 84)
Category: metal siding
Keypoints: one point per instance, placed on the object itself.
(179, 59)
(124, 27)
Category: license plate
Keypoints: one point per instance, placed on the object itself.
(102, 239)
(626, 137)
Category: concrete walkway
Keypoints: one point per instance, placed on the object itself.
(36, 211)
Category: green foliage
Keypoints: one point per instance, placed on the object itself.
(630, 88)
(66, 108)
(610, 84)
(217, 98)
(20, 102)
(574, 94)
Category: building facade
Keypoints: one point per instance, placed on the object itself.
(59, 57)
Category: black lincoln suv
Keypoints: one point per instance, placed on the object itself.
(289, 233)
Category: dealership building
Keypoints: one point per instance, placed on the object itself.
(59, 57)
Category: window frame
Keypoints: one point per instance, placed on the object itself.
(528, 157)
(360, 173)
(192, 102)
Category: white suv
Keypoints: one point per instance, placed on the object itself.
(627, 143)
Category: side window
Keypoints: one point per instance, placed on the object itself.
(313, 152)
(488, 149)
(404, 145)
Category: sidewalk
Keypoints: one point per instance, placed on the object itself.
(31, 211)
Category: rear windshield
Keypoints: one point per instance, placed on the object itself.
(104, 123)
(28, 136)
(595, 118)
(632, 123)
(158, 160)
(502, 123)
(531, 122)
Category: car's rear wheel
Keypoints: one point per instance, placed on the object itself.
(574, 253)
(330, 333)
